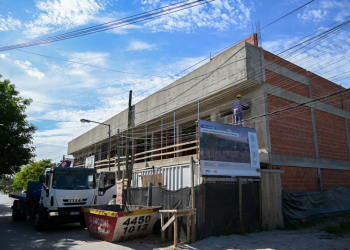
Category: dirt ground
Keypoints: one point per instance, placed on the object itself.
(310, 238)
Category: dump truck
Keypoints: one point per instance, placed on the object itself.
(59, 195)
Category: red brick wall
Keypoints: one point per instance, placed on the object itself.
(335, 178)
(331, 136)
(253, 39)
(284, 63)
(286, 83)
(346, 95)
(298, 179)
(321, 87)
(291, 130)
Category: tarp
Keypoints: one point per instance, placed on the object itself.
(310, 205)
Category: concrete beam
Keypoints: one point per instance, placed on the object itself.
(308, 162)
(293, 97)
(286, 72)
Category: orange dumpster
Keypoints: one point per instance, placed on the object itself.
(118, 223)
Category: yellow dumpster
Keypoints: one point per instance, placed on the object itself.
(118, 223)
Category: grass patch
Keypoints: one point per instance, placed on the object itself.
(341, 228)
(300, 225)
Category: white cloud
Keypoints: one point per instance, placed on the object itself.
(139, 45)
(125, 29)
(93, 58)
(221, 15)
(9, 23)
(321, 10)
(2, 56)
(27, 67)
(62, 15)
(313, 15)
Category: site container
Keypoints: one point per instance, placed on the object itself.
(174, 176)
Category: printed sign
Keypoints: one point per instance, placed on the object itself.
(64, 164)
(120, 188)
(90, 162)
(227, 150)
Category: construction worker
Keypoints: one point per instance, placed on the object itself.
(237, 110)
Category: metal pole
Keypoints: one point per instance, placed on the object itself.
(161, 140)
(174, 134)
(198, 111)
(109, 148)
(127, 140)
(146, 142)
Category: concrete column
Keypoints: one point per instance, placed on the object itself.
(314, 132)
(268, 137)
(347, 134)
(319, 178)
(316, 147)
(342, 97)
(213, 116)
(262, 60)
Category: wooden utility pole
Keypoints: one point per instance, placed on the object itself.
(127, 141)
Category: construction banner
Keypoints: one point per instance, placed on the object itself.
(228, 150)
(90, 162)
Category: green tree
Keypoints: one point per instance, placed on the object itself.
(16, 134)
(31, 173)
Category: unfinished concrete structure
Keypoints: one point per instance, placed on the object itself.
(309, 142)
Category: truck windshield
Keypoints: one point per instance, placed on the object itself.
(73, 181)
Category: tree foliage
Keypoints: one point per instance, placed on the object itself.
(16, 134)
(31, 173)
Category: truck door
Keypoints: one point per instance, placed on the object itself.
(106, 188)
(46, 190)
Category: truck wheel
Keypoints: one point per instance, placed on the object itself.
(15, 212)
(38, 224)
(23, 217)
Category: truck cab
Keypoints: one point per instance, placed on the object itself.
(61, 193)
(64, 191)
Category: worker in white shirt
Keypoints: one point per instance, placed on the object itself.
(237, 110)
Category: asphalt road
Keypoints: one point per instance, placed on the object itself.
(22, 235)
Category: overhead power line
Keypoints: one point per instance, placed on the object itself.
(166, 10)
(227, 47)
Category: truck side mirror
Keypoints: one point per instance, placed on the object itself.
(42, 178)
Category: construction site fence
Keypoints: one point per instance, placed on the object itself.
(217, 207)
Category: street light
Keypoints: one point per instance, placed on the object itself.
(109, 133)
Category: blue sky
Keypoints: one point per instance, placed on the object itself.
(65, 92)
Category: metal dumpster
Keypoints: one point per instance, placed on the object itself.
(118, 223)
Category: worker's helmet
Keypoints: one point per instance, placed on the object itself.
(239, 96)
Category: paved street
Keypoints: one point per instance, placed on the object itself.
(22, 235)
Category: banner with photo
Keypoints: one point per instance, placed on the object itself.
(228, 150)
(90, 162)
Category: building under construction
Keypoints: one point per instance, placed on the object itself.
(299, 130)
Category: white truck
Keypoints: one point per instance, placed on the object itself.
(63, 192)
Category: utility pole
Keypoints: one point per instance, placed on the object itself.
(118, 149)
(127, 140)
(109, 148)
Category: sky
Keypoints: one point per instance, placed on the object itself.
(151, 52)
